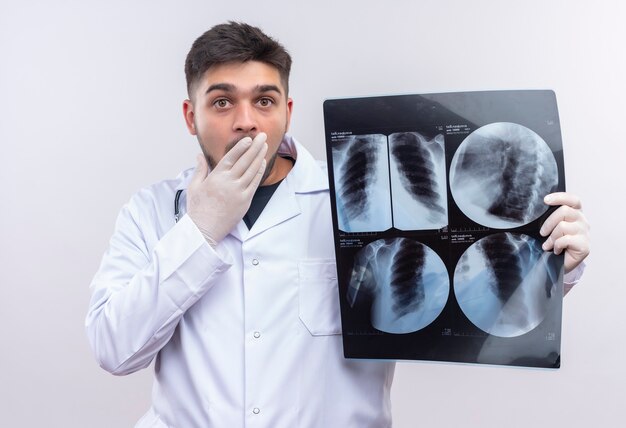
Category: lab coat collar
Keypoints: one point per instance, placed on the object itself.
(184, 178)
(306, 176)
(281, 207)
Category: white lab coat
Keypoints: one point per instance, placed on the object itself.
(246, 335)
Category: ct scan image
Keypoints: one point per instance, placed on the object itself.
(504, 283)
(418, 181)
(406, 281)
(361, 172)
(500, 174)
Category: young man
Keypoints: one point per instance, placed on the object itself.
(237, 300)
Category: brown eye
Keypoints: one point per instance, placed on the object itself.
(265, 102)
(221, 103)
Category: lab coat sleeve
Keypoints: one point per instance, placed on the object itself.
(139, 296)
(570, 279)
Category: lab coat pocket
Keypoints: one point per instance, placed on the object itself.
(318, 297)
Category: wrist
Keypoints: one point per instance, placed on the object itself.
(210, 241)
(208, 237)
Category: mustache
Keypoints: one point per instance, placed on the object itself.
(270, 162)
(212, 161)
(233, 142)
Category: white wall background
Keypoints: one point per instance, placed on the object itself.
(90, 111)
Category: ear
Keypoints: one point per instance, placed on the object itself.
(289, 109)
(189, 116)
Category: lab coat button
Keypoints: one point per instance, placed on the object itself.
(255, 262)
(256, 334)
(256, 411)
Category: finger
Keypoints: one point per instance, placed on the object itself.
(575, 245)
(548, 244)
(250, 174)
(202, 169)
(563, 198)
(234, 154)
(561, 229)
(574, 257)
(563, 213)
(565, 228)
(245, 161)
(256, 181)
(570, 262)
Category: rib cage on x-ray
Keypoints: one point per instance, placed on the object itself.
(406, 281)
(504, 283)
(518, 170)
(357, 175)
(406, 284)
(362, 185)
(500, 174)
(418, 181)
(504, 265)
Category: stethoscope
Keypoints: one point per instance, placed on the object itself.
(176, 209)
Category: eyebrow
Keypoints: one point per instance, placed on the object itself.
(268, 88)
(229, 87)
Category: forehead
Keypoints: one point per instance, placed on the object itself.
(242, 75)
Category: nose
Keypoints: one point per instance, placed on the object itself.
(245, 120)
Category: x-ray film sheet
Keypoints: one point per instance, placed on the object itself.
(437, 202)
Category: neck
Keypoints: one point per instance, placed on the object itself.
(280, 169)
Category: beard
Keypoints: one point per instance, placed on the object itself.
(268, 168)
(212, 162)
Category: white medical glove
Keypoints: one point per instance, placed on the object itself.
(216, 201)
(567, 229)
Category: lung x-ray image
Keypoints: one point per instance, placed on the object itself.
(362, 171)
(406, 282)
(437, 202)
(504, 283)
(395, 181)
(418, 181)
(500, 175)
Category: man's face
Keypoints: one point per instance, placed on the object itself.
(236, 100)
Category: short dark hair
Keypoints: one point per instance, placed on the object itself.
(235, 42)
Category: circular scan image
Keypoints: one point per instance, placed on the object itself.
(406, 282)
(500, 174)
(504, 283)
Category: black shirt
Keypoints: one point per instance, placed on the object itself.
(260, 199)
